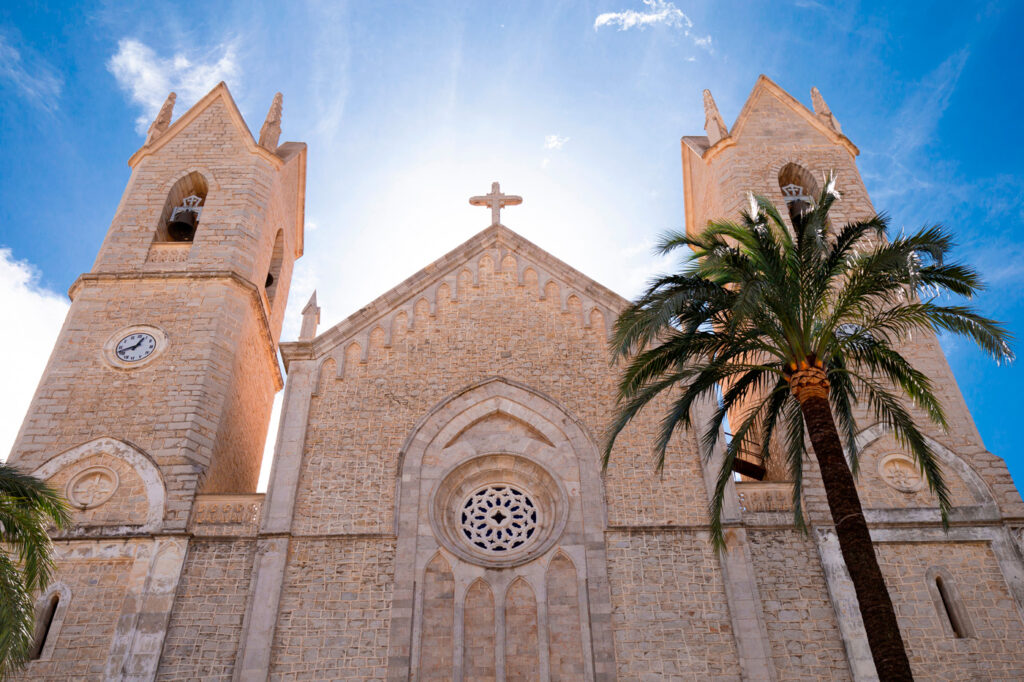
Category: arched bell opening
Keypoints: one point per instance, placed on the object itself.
(183, 209)
(799, 189)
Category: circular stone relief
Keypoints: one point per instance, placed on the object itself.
(900, 472)
(498, 510)
(92, 487)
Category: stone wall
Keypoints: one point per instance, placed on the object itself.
(802, 627)
(471, 328)
(669, 608)
(206, 623)
(335, 610)
(994, 652)
(98, 588)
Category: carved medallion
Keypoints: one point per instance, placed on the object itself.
(92, 487)
(900, 473)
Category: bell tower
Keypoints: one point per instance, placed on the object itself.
(779, 148)
(170, 344)
(782, 150)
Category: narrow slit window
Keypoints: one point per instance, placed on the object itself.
(44, 622)
(274, 273)
(948, 607)
(948, 604)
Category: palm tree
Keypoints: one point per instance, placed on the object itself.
(789, 332)
(27, 507)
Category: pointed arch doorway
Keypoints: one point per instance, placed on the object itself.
(500, 572)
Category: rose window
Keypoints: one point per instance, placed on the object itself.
(499, 518)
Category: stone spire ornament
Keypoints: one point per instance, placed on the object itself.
(271, 130)
(310, 319)
(163, 119)
(823, 112)
(496, 201)
(714, 126)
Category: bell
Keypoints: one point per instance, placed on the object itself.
(182, 227)
(749, 469)
(270, 281)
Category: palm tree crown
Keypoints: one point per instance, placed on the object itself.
(27, 507)
(757, 301)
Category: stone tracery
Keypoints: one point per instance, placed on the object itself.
(498, 518)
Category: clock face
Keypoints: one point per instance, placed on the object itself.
(135, 347)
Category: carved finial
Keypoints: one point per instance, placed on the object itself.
(271, 130)
(823, 112)
(714, 126)
(310, 319)
(163, 119)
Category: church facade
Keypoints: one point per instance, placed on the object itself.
(436, 508)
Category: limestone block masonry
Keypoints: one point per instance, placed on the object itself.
(436, 507)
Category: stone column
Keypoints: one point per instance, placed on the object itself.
(146, 610)
(740, 582)
(253, 662)
(846, 606)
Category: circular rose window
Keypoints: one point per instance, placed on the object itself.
(498, 510)
(499, 518)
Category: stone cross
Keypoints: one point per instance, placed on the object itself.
(497, 201)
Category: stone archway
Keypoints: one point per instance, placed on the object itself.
(500, 498)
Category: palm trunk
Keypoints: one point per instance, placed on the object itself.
(876, 609)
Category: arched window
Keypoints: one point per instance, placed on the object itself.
(948, 603)
(183, 208)
(799, 190)
(274, 273)
(44, 625)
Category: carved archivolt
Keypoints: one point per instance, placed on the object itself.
(94, 485)
(512, 557)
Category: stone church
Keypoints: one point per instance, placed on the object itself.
(437, 508)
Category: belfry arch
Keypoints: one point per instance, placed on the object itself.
(499, 449)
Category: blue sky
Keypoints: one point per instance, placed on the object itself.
(409, 108)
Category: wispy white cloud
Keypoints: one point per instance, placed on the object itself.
(40, 314)
(704, 42)
(35, 79)
(554, 141)
(658, 12)
(905, 175)
(147, 77)
(920, 113)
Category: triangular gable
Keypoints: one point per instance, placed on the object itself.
(219, 92)
(424, 283)
(766, 87)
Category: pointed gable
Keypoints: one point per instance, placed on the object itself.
(218, 102)
(772, 111)
(497, 246)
